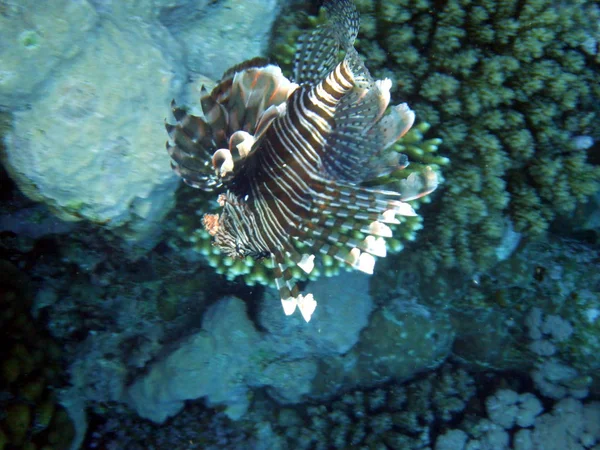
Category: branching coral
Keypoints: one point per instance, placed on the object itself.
(508, 86)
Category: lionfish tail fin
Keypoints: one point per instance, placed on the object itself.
(290, 295)
(305, 303)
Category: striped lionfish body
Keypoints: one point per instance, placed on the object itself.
(291, 157)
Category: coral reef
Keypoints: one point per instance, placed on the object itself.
(537, 311)
(502, 357)
(508, 86)
(392, 416)
(448, 409)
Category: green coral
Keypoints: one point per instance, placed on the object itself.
(507, 85)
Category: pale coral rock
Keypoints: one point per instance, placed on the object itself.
(221, 363)
(451, 440)
(344, 308)
(542, 348)
(507, 408)
(36, 38)
(556, 379)
(502, 407)
(558, 328)
(571, 425)
(89, 145)
(225, 33)
(212, 363)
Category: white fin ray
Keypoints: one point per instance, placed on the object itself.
(305, 303)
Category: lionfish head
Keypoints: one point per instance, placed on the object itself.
(235, 230)
(292, 158)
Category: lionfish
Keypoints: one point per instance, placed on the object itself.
(291, 157)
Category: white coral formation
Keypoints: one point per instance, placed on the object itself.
(508, 408)
(553, 377)
(571, 425)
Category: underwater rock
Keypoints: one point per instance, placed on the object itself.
(344, 311)
(36, 38)
(211, 363)
(223, 34)
(401, 340)
(87, 146)
(220, 363)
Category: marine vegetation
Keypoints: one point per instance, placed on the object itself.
(512, 89)
(292, 158)
(30, 373)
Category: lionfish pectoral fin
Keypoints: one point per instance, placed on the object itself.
(399, 209)
(379, 229)
(190, 147)
(253, 92)
(419, 184)
(396, 124)
(375, 246)
(355, 149)
(267, 118)
(316, 55)
(363, 261)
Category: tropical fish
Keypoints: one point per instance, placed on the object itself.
(291, 157)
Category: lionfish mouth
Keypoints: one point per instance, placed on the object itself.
(291, 157)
